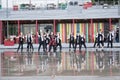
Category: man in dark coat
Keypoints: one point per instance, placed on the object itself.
(58, 42)
(41, 40)
(77, 41)
(29, 42)
(71, 41)
(96, 40)
(21, 41)
(100, 39)
(110, 39)
(83, 41)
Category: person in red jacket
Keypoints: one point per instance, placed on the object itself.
(52, 43)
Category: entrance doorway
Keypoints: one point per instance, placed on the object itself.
(47, 28)
(26, 28)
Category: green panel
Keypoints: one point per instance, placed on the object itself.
(78, 28)
(58, 28)
(0, 6)
(86, 32)
(62, 5)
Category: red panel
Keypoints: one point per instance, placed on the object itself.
(18, 27)
(110, 23)
(54, 25)
(1, 38)
(92, 30)
(36, 31)
(15, 7)
(73, 26)
(8, 43)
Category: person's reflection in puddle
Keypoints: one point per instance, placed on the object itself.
(29, 58)
(117, 59)
(100, 60)
(110, 59)
(21, 62)
(80, 60)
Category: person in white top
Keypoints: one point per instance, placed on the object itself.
(82, 41)
(29, 42)
(41, 41)
(110, 39)
(96, 40)
(58, 41)
(100, 39)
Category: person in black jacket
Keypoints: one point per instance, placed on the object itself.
(110, 39)
(100, 39)
(47, 40)
(82, 41)
(21, 41)
(58, 42)
(41, 40)
(77, 41)
(29, 42)
(71, 41)
(117, 35)
(96, 40)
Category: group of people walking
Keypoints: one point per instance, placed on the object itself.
(51, 40)
(80, 40)
(99, 39)
(44, 39)
(29, 40)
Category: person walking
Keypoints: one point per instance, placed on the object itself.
(71, 41)
(96, 40)
(82, 41)
(78, 41)
(52, 43)
(100, 39)
(21, 41)
(110, 39)
(117, 35)
(29, 41)
(58, 42)
(41, 41)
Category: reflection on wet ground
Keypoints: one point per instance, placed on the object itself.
(84, 63)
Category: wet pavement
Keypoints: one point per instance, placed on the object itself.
(92, 64)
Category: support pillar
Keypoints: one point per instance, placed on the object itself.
(91, 24)
(18, 27)
(36, 31)
(1, 32)
(110, 23)
(73, 22)
(54, 26)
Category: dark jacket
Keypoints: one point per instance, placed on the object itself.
(21, 40)
(29, 39)
(110, 37)
(78, 38)
(71, 39)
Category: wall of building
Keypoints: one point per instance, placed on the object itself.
(87, 27)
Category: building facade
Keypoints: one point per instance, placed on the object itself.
(65, 19)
